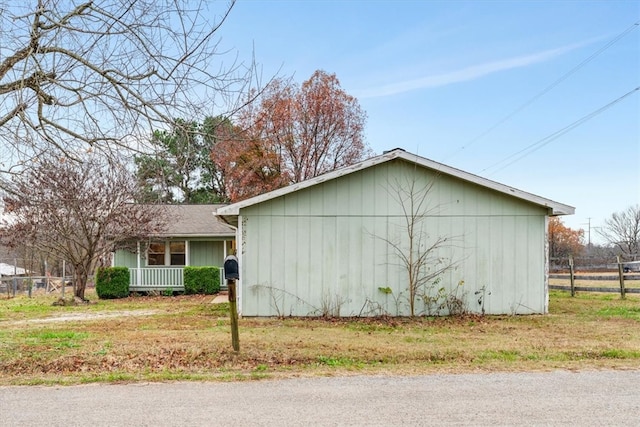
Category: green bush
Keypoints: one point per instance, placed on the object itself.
(112, 282)
(201, 280)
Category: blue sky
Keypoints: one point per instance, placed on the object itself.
(438, 78)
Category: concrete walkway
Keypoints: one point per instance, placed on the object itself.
(220, 298)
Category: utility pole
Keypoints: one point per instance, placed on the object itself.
(588, 233)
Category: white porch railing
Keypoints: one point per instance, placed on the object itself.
(160, 278)
(156, 278)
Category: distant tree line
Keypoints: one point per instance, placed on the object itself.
(621, 234)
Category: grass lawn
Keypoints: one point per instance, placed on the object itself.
(188, 338)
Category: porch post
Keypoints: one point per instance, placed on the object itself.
(186, 253)
(138, 271)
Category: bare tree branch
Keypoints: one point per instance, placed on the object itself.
(622, 230)
(418, 250)
(78, 210)
(104, 74)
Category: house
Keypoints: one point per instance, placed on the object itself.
(194, 237)
(332, 245)
(8, 274)
(11, 270)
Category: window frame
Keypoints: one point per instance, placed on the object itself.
(168, 256)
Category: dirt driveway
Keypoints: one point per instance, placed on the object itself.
(77, 317)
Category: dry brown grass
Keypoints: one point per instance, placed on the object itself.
(188, 338)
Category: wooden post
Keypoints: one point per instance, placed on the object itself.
(30, 282)
(46, 276)
(621, 275)
(15, 276)
(63, 273)
(571, 277)
(235, 338)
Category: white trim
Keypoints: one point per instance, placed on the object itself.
(546, 265)
(554, 207)
(239, 255)
(138, 269)
(167, 252)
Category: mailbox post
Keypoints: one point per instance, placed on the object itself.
(231, 274)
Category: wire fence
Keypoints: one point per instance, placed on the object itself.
(11, 286)
(19, 276)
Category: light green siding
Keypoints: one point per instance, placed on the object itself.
(125, 258)
(326, 247)
(206, 253)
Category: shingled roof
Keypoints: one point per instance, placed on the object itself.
(196, 221)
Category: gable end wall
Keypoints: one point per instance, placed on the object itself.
(324, 249)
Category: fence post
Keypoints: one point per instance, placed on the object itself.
(15, 276)
(46, 276)
(571, 277)
(621, 275)
(63, 273)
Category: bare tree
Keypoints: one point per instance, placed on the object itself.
(622, 230)
(418, 251)
(102, 74)
(79, 211)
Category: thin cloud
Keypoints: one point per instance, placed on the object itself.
(469, 73)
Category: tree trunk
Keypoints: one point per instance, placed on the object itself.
(80, 280)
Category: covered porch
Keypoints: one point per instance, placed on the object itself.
(195, 236)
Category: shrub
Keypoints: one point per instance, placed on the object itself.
(201, 280)
(112, 282)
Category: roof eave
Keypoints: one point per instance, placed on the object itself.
(555, 207)
(191, 236)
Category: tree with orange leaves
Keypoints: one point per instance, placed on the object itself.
(292, 134)
(248, 166)
(564, 241)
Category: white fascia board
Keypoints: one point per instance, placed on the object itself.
(234, 209)
(555, 208)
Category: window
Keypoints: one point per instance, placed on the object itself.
(155, 254)
(167, 253)
(177, 252)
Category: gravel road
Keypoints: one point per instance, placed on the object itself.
(590, 398)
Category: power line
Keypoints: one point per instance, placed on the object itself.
(547, 89)
(552, 137)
